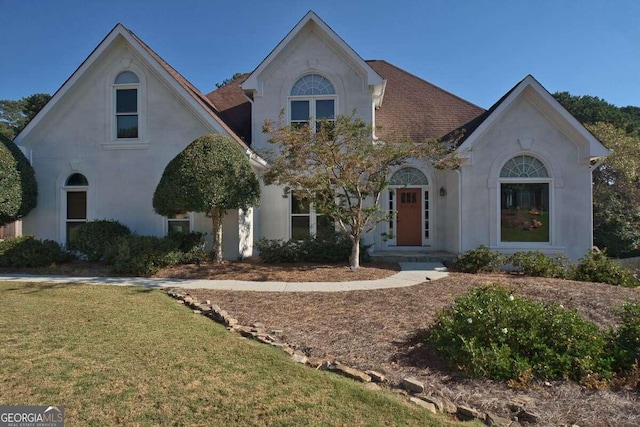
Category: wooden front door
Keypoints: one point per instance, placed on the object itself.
(409, 217)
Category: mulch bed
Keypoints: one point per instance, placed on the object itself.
(254, 270)
(383, 330)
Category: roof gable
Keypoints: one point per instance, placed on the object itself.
(194, 98)
(372, 78)
(477, 127)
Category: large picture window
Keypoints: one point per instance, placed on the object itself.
(524, 201)
(312, 100)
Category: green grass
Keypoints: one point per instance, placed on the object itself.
(132, 356)
(517, 233)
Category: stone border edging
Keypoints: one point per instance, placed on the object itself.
(409, 386)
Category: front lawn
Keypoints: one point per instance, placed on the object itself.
(132, 356)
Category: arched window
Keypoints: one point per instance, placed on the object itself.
(127, 95)
(311, 85)
(76, 187)
(525, 202)
(524, 167)
(312, 100)
(409, 176)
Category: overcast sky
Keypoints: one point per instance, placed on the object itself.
(475, 49)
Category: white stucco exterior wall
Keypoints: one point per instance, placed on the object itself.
(525, 128)
(77, 136)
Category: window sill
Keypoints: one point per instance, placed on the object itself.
(134, 144)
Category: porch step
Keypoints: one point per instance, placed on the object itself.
(400, 256)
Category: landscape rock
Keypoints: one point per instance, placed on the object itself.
(349, 372)
(287, 349)
(413, 385)
(197, 311)
(492, 419)
(376, 377)
(299, 358)
(206, 302)
(528, 416)
(424, 404)
(466, 413)
(188, 300)
(179, 301)
(448, 406)
(439, 404)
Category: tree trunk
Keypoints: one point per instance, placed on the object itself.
(216, 218)
(354, 258)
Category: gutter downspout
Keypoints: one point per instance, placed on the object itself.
(459, 172)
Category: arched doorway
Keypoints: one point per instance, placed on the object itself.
(409, 197)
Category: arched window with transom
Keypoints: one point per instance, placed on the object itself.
(525, 202)
(76, 187)
(312, 101)
(126, 87)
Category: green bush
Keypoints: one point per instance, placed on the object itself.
(331, 248)
(595, 266)
(477, 260)
(490, 333)
(145, 255)
(18, 186)
(625, 341)
(277, 251)
(25, 251)
(96, 238)
(535, 263)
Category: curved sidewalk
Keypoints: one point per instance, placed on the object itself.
(411, 273)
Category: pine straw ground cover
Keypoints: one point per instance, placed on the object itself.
(381, 330)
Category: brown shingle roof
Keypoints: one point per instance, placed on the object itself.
(415, 108)
(208, 106)
(234, 107)
(412, 107)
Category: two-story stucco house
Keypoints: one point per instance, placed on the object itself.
(99, 148)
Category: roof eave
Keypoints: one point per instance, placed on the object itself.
(252, 85)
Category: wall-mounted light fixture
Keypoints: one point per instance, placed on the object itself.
(443, 192)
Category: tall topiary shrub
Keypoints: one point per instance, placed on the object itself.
(18, 187)
(211, 175)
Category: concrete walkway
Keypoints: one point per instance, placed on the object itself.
(411, 274)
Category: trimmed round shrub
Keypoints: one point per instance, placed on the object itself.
(491, 333)
(626, 339)
(18, 186)
(95, 239)
(145, 255)
(25, 251)
(595, 266)
(537, 264)
(480, 259)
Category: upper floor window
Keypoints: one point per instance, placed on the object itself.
(313, 99)
(127, 91)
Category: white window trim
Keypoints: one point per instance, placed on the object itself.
(541, 245)
(112, 141)
(311, 120)
(313, 218)
(191, 219)
(391, 241)
(63, 205)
